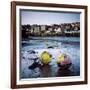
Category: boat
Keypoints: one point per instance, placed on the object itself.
(46, 57)
(64, 62)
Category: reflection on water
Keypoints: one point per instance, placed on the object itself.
(64, 72)
(32, 49)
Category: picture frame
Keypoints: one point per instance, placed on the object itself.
(24, 13)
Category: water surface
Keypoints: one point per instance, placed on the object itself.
(66, 45)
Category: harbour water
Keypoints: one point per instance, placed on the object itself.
(34, 46)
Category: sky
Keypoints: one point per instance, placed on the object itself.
(47, 18)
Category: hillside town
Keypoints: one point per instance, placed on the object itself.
(65, 29)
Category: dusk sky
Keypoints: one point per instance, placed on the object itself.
(45, 18)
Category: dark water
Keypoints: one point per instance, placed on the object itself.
(66, 45)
